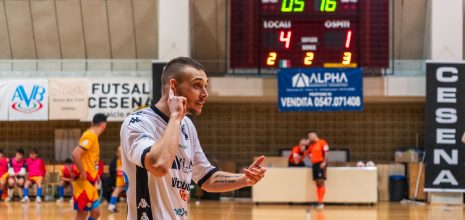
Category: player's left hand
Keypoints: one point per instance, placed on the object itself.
(323, 165)
(255, 172)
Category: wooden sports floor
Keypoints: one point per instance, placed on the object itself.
(245, 210)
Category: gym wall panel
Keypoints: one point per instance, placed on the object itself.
(146, 28)
(97, 40)
(70, 28)
(122, 29)
(208, 23)
(5, 50)
(239, 131)
(45, 29)
(409, 29)
(20, 25)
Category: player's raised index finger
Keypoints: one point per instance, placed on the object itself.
(171, 93)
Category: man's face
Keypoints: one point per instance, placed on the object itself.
(312, 137)
(303, 143)
(1, 155)
(102, 126)
(33, 155)
(194, 88)
(19, 156)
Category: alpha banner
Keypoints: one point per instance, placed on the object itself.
(28, 100)
(445, 127)
(320, 89)
(118, 97)
(68, 98)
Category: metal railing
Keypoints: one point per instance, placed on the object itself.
(143, 68)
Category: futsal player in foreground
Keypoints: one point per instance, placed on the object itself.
(86, 158)
(161, 152)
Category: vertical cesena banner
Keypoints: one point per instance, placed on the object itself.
(320, 89)
(28, 100)
(68, 98)
(118, 97)
(445, 127)
(5, 95)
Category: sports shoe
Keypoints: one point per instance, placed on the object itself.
(60, 200)
(38, 199)
(8, 199)
(25, 199)
(112, 210)
(320, 206)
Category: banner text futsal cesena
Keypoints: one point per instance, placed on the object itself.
(320, 89)
(444, 127)
(118, 97)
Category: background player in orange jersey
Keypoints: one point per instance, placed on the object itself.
(318, 152)
(297, 156)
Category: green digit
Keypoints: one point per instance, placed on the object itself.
(331, 6)
(285, 7)
(300, 4)
(322, 5)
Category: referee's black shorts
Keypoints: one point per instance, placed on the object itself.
(318, 173)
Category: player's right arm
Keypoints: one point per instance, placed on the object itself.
(150, 150)
(463, 138)
(77, 158)
(159, 159)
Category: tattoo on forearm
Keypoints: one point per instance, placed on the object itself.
(226, 179)
(227, 176)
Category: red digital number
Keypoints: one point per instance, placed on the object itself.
(285, 39)
(348, 38)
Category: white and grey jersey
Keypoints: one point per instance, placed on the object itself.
(151, 197)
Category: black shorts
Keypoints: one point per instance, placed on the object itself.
(318, 173)
(296, 165)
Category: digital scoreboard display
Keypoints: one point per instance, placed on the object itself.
(308, 33)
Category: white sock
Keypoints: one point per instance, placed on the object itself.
(111, 206)
(11, 192)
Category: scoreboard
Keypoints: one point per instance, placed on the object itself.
(309, 33)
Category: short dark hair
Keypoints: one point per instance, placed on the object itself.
(99, 118)
(34, 150)
(176, 66)
(1, 151)
(68, 161)
(312, 131)
(20, 150)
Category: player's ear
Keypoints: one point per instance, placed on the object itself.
(173, 85)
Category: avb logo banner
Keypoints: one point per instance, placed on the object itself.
(445, 127)
(118, 97)
(320, 89)
(28, 100)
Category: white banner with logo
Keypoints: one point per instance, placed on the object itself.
(118, 97)
(5, 98)
(68, 98)
(28, 100)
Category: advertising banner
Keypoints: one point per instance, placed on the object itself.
(68, 98)
(320, 89)
(28, 100)
(118, 97)
(445, 127)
